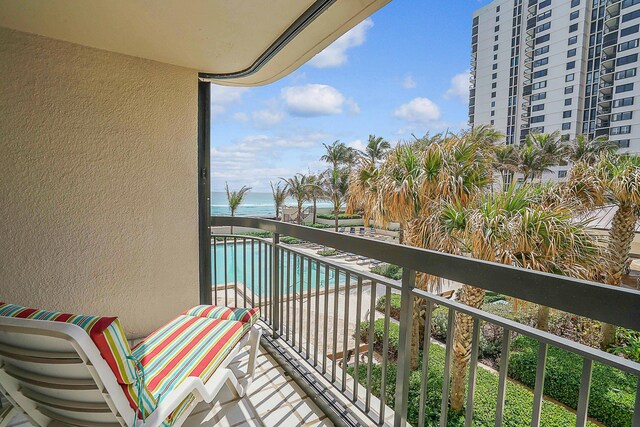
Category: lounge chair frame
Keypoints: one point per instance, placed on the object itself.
(29, 366)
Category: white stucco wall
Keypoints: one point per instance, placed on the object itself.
(98, 182)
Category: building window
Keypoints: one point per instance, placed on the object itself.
(495, 39)
(567, 101)
(575, 3)
(541, 50)
(494, 85)
(631, 72)
(538, 107)
(544, 3)
(621, 130)
(497, 18)
(539, 62)
(494, 76)
(628, 3)
(538, 74)
(495, 47)
(571, 53)
(629, 30)
(629, 59)
(537, 119)
(494, 66)
(493, 113)
(622, 143)
(572, 40)
(624, 88)
(571, 65)
(539, 85)
(631, 15)
(624, 102)
(496, 28)
(543, 27)
(492, 122)
(573, 27)
(493, 104)
(495, 57)
(543, 39)
(562, 174)
(566, 114)
(564, 137)
(568, 90)
(627, 115)
(574, 14)
(627, 45)
(566, 126)
(544, 15)
(497, 8)
(539, 96)
(569, 77)
(493, 94)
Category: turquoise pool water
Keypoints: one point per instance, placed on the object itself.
(257, 274)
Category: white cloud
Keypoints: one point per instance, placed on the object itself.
(224, 96)
(353, 106)
(459, 88)
(409, 82)
(418, 111)
(357, 144)
(267, 118)
(312, 100)
(240, 117)
(335, 54)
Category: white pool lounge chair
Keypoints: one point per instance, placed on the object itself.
(62, 369)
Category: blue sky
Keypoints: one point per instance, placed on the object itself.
(402, 71)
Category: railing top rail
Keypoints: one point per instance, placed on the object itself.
(594, 300)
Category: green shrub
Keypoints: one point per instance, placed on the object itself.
(629, 344)
(316, 225)
(340, 216)
(612, 391)
(328, 252)
(290, 240)
(263, 234)
(490, 297)
(378, 337)
(394, 305)
(519, 400)
(439, 323)
(388, 270)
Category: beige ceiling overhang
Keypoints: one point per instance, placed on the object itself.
(234, 42)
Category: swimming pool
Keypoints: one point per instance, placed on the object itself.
(229, 267)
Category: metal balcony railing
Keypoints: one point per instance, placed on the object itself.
(309, 301)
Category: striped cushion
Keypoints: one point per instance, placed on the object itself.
(245, 315)
(105, 332)
(186, 346)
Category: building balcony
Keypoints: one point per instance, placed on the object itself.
(602, 132)
(613, 8)
(317, 307)
(611, 24)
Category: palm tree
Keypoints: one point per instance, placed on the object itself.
(297, 188)
(337, 154)
(279, 196)
(376, 149)
(314, 192)
(505, 162)
(363, 192)
(585, 149)
(235, 199)
(539, 152)
(335, 186)
(612, 179)
(522, 227)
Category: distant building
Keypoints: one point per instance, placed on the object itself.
(557, 65)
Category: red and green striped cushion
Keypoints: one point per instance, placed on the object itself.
(105, 332)
(186, 346)
(245, 315)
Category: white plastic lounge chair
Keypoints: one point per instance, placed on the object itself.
(62, 369)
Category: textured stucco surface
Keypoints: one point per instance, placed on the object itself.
(98, 182)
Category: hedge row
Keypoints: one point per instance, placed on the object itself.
(388, 270)
(340, 216)
(519, 400)
(612, 391)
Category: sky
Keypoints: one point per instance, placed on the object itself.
(403, 71)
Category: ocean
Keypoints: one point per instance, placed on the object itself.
(255, 204)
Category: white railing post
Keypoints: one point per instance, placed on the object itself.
(404, 348)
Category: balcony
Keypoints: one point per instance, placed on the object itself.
(613, 8)
(611, 24)
(317, 307)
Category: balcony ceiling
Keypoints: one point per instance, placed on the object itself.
(229, 41)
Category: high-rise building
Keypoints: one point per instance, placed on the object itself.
(557, 65)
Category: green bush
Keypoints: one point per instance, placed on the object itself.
(629, 344)
(439, 323)
(290, 240)
(340, 216)
(612, 391)
(327, 252)
(378, 337)
(388, 270)
(519, 400)
(490, 297)
(394, 305)
(263, 234)
(316, 225)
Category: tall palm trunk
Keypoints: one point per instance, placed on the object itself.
(315, 202)
(543, 318)
(336, 209)
(299, 212)
(472, 297)
(233, 213)
(620, 238)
